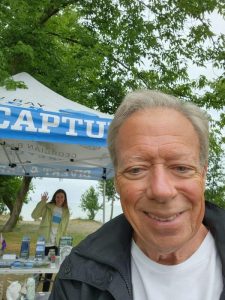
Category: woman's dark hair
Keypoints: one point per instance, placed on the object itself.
(65, 204)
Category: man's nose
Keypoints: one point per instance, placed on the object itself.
(161, 184)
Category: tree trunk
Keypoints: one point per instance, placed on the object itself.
(9, 204)
(11, 223)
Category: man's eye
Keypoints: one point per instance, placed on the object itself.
(184, 170)
(134, 171)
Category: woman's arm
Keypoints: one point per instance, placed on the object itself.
(41, 207)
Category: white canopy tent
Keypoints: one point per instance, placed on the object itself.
(43, 134)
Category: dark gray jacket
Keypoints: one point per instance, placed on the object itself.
(99, 267)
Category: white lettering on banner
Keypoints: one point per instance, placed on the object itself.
(46, 123)
(72, 123)
(24, 118)
(100, 133)
(7, 112)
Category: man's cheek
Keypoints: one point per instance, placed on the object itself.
(127, 192)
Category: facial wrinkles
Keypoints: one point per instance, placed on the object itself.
(154, 146)
(160, 141)
(155, 132)
(157, 155)
(143, 185)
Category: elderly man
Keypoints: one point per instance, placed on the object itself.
(168, 244)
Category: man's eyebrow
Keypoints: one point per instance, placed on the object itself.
(176, 152)
(175, 157)
(136, 158)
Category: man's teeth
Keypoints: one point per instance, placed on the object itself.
(167, 219)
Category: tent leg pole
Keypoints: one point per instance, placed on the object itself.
(104, 187)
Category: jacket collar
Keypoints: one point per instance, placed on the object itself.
(110, 245)
(52, 205)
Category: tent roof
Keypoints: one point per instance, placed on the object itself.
(39, 96)
(43, 134)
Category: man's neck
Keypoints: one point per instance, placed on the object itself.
(175, 256)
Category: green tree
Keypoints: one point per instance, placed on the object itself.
(110, 193)
(215, 184)
(9, 186)
(89, 203)
(94, 51)
(20, 194)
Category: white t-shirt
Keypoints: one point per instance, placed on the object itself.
(56, 219)
(197, 278)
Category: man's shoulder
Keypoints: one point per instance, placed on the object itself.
(104, 251)
(214, 220)
(213, 211)
(103, 245)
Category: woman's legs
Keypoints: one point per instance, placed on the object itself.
(48, 276)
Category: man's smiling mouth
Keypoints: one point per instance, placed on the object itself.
(163, 219)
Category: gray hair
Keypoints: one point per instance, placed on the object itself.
(145, 99)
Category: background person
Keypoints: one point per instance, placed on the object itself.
(54, 222)
(169, 243)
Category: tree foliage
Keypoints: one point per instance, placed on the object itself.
(9, 187)
(215, 184)
(20, 196)
(90, 203)
(94, 51)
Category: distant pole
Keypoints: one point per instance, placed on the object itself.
(104, 192)
(104, 184)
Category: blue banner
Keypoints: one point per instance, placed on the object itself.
(62, 126)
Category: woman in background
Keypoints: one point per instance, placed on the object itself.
(54, 223)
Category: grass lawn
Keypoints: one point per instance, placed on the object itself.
(77, 228)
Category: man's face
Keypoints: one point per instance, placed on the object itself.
(159, 179)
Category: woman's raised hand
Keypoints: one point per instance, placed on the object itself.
(44, 196)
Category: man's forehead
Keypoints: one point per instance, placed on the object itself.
(171, 153)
